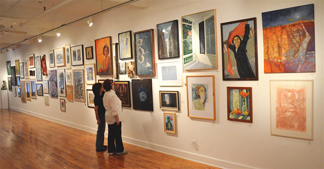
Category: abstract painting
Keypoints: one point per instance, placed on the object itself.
(104, 57)
(90, 73)
(144, 53)
(61, 82)
(60, 57)
(239, 104)
(289, 40)
(240, 52)
(68, 59)
(39, 89)
(77, 55)
(78, 83)
(291, 108)
(170, 122)
(122, 90)
(33, 91)
(90, 99)
(169, 100)
(89, 52)
(52, 83)
(38, 67)
(51, 59)
(125, 45)
(142, 94)
(8, 63)
(69, 93)
(168, 40)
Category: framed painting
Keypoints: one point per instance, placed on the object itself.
(17, 67)
(52, 83)
(168, 40)
(170, 123)
(38, 68)
(289, 40)
(13, 76)
(46, 100)
(78, 83)
(26, 70)
(199, 47)
(21, 64)
(68, 59)
(201, 97)
(60, 57)
(89, 52)
(9, 83)
(33, 90)
(90, 98)
(27, 88)
(69, 77)
(62, 105)
(144, 53)
(125, 45)
(18, 92)
(45, 86)
(61, 83)
(169, 74)
(240, 52)
(18, 81)
(43, 65)
(69, 93)
(122, 90)
(104, 57)
(77, 55)
(169, 100)
(115, 61)
(23, 92)
(239, 104)
(90, 73)
(291, 108)
(130, 68)
(8, 64)
(31, 59)
(122, 68)
(51, 59)
(39, 89)
(142, 94)
(32, 74)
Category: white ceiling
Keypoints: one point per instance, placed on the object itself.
(24, 19)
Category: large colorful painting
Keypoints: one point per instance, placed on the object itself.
(38, 67)
(240, 54)
(168, 40)
(125, 45)
(77, 55)
(142, 94)
(78, 83)
(170, 122)
(144, 53)
(61, 83)
(239, 104)
(52, 83)
(104, 57)
(291, 107)
(289, 40)
(201, 97)
(122, 90)
(199, 42)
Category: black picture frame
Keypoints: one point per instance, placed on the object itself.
(169, 100)
(39, 88)
(77, 57)
(125, 45)
(122, 89)
(172, 29)
(142, 94)
(89, 52)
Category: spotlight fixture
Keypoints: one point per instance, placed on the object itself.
(7, 50)
(90, 23)
(39, 39)
(58, 34)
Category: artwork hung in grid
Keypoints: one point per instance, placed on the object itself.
(8, 63)
(59, 57)
(90, 73)
(61, 82)
(17, 67)
(38, 68)
(170, 122)
(90, 99)
(18, 91)
(9, 83)
(51, 59)
(169, 74)
(122, 90)
(33, 91)
(168, 40)
(122, 68)
(45, 86)
(142, 94)
(68, 60)
(89, 52)
(78, 83)
(26, 70)
(115, 48)
(169, 100)
(27, 88)
(18, 81)
(39, 89)
(104, 58)
(23, 92)
(130, 68)
(77, 55)
(52, 83)
(125, 45)
(31, 59)
(289, 40)
(43, 65)
(69, 93)
(13, 76)
(239, 104)
(69, 77)
(21, 64)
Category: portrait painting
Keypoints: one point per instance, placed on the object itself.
(31, 59)
(8, 64)
(201, 97)
(69, 93)
(89, 52)
(122, 90)
(39, 89)
(90, 73)
(61, 82)
(142, 94)
(69, 77)
(291, 108)
(168, 40)
(23, 92)
(52, 83)
(90, 99)
(28, 92)
(38, 68)
(33, 91)
(122, 68)
(125, 45)
(62, 105)
(199, 41)
(60, 57)
(239, 50)
(239, 104)
(104, 56)
(13, 76)
(289, 40)
(144, 53)
(169, 100)
(77, 55)
(51, 59)
(68, 59)
(43, 65)
(78, 83)
(17, 67)
(170, 73)
(46, 100)
(45, 87)
(169, 122)
(21, 64)
(130, 68)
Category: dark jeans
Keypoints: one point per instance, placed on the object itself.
(101, 132)
(115, 143)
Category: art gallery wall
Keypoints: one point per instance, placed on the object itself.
(221, 142)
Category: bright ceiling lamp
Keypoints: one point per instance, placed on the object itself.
(90, 23)
(58, 33)
(39, 39)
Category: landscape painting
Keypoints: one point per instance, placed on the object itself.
(239, 104)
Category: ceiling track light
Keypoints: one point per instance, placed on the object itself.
(90, 23)
(58, 33)
(39, 39)
(7, 50)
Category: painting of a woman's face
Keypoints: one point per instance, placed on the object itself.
(236, 41)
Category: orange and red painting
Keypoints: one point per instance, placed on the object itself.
(104, 56)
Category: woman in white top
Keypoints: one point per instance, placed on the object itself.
(113, 115)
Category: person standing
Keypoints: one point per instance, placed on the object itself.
(113, 108)
(100, 110)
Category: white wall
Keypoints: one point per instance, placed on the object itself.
(221, 142)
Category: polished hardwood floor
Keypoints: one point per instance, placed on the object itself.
(30, 142)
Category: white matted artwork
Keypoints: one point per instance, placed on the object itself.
(90, 73)
(61, 82)
(45, 87)
(69, 77)
(68, 57)
(291, 108)
(169, 74)
(60, 57)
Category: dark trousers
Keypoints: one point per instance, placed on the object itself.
(101, 132)
(115, 143)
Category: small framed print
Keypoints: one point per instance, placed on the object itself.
(18, 80)
(125, 45)
(33, 89)
(122, 90)
(122, 68)
(239, 104)
(31, 59)
(69, 93)
(27, 89)
(130, 68)
(17, 67)
(62, 105)
(170, 123)
(45, 87)
(90, 73)
(69, 77)
(169, 74)
(89, 52)
(68, 60)
(51, 59)
(90, 98)
(60, 57)
(77, 55)
(169, 100)
(39, 88)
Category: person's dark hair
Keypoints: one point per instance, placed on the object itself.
(238, 37)
(106, 46)
(96, 89)
(107, 85)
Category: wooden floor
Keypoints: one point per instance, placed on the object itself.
(30, 142)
